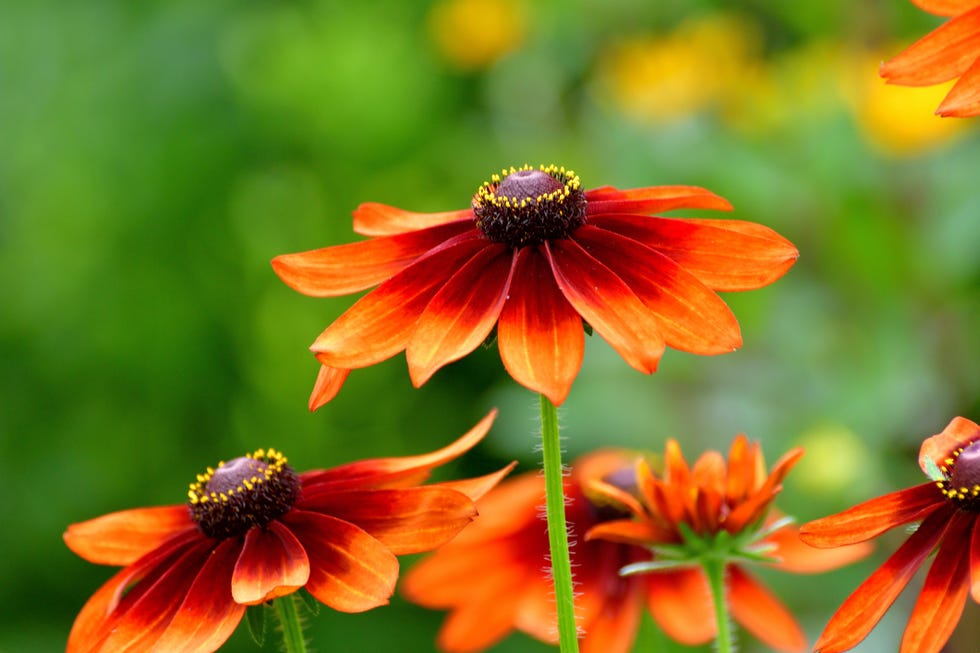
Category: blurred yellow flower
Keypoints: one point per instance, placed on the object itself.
(664, 77)
(473, 34)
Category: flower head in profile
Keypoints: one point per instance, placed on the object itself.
(947, 509)
(533, 258)
(254, 530)
(720, 510)
(951, 51)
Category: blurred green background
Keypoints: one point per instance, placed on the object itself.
(154, 156)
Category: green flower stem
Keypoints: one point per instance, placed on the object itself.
(561, 567)
(292, 629)
(714, 569)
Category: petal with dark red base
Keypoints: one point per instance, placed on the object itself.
(350, 571)
(373, 219)
(939, 56)
(121, 538)
(653, 199)
(540, 336)
(762, 614)
(272, 563)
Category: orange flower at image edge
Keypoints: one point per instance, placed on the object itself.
(254, 530)
(533, 257)
(949, 52)
(948, 507)
(623, 510)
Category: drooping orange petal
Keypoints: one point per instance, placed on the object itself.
(680, 602)
(121, 538)
(946, 7)
(329, 381)
(272, 564)
(613, 629)
(602, 494)
(762, 614)
(975, 562)
(380, 324)
(628, 531)
(396, 472)
(653, 199)
(800, 558)
(406, 520)
(461, 315)
(753, 508)
(540, 336)
(723, 254)
(958, 433)
(963, 100)
(607, 304)
(374, 219)
(343, 269)
(872, 518)
(350, 571)
(939, 56)
(692, 317)
(208, 615)
(943, 596)
(868, 603)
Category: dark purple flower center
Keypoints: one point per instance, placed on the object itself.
(962, 477)
(623, 479)
(243, 493)
(527, 207)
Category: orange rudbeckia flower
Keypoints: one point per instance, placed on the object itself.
(723, 508)
(533, 257)
(254, 530)
(948, 507)
(948, 52)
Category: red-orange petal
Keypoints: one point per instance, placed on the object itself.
(975, 562)
(691, 316)
(653, 199)
(343, 269)
(272, 563)
(960, 432)
(540, 336)
(374, 219)
(797, 557)
(762, 614)
(946, 7)
(868, 603)
(329, 381)
(723, 254)
(461, 315)
(872, 518)
(396, 472)
(208, 616)
(628, 531)
(939, 56)
(963, 100)
(350, 571)
(476, 488)
(380, 324)
(613, 629)
(943, 596)
(753, 508)
(608, 304)
(680, 602)
(121, 538)
(406, 520)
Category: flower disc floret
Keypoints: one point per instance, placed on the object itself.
(526, 206)
(243, 493)
(961, 477)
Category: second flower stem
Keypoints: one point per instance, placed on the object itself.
(714, 569)
(292, 629)
(561, 567)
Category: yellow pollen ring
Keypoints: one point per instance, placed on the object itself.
(274, 460)
(569, 180)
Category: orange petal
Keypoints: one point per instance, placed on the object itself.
(511, 506)
(272, 564)
(692, 317)
(943, 596)
(762, 614)
(407, 520)
(607, 304)
(602, 494)
(540, 336)
(963, 100)
(396, 472)
(653, 199)
(946, 7)
(329, 381)
(752, 509)
(872, 518)
(960, 432)
(613, 629)
(350, 571)
(628, 531)
(476, 488)
(939, 56)
(380, 324)
(461, 315)
(975, 562)
(343, 269)
(742, 467)
(722, 254)
(121, 538)
(208, 616)
(797, 557)
(373, 219)
(868, 603)
(680, 602)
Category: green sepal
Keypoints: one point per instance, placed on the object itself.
(933, 471)
(312, 605)
(255, 618)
